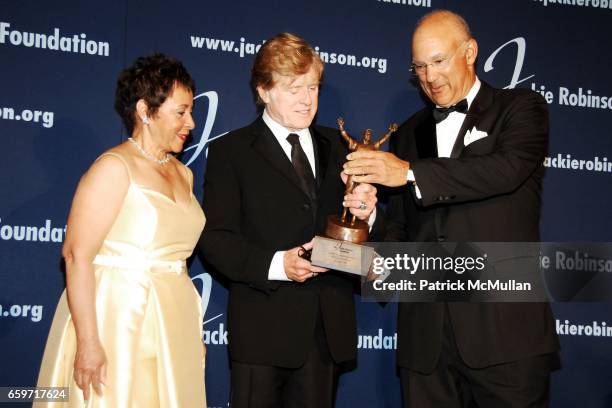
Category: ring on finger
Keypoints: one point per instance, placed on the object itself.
(363, 206)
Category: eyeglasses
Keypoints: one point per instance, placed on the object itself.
(438, 64)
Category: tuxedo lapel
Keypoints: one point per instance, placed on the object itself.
(481, 102)
(266, 145)
(321, 153)
(425, 134)
(427, 147)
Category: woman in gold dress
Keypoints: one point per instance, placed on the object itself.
(127, 330)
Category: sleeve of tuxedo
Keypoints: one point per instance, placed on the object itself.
(395, 220)
(521, 145)
(377, 233)
(222, 243)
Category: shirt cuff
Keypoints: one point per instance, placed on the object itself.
(371, 220)
(411, 179)
(410, 176)
(277, 267)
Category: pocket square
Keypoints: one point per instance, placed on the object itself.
(473, 135)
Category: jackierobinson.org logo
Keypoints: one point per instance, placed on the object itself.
(580, 3)
(33, 312)
(567, 162)
(594, 329)
(45, 118)
(216, 335)
(244, 48)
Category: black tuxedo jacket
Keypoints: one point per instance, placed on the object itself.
(254, 207)
(487, 191)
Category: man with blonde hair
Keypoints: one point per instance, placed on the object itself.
(468, 168)
(269, 188)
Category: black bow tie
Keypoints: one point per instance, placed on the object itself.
(440, 114)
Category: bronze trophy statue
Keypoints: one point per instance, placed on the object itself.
(347, 227)
(339, 249)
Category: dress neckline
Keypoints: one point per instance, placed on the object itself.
(164, 196)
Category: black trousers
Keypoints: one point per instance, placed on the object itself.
(313, 385)
(518, 384)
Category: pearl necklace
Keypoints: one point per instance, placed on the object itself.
(149, 156)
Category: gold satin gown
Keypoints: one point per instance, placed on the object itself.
(148, 310)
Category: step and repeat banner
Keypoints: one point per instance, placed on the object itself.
(59, 61)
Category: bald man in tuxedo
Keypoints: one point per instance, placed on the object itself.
(466, 168)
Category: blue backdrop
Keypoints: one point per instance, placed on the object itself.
(58, 65)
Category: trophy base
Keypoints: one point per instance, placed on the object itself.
(344, 231)
(342, 255)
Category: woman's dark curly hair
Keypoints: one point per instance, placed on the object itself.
(151, 78)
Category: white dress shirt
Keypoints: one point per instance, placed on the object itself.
(448, 129)
(277, 266)
(447, 132)
(280, 133)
